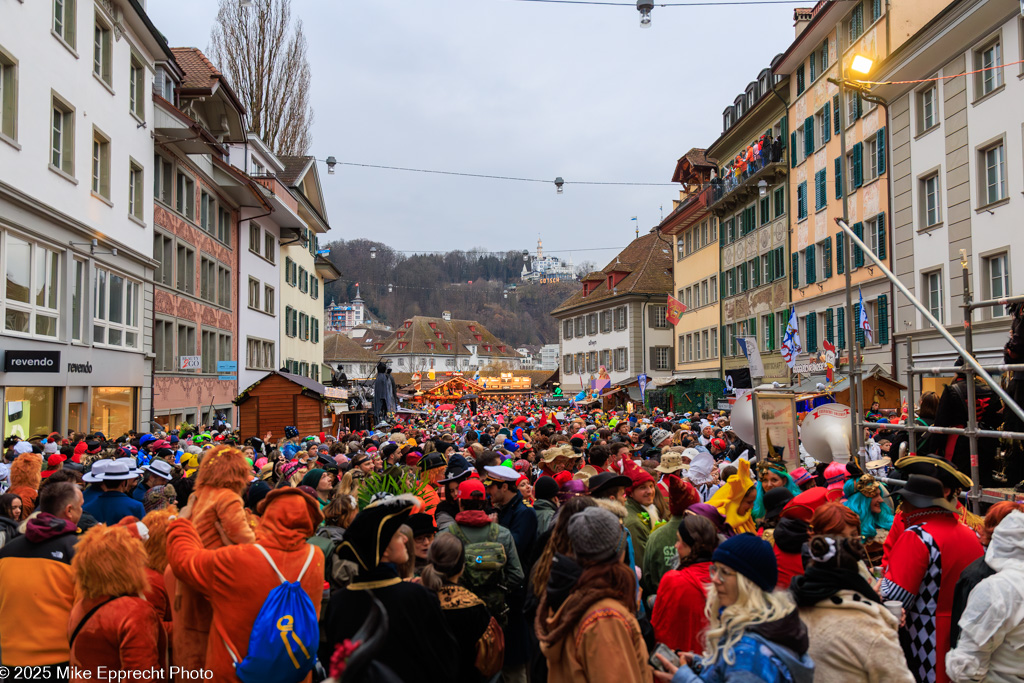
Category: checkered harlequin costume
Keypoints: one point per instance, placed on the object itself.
(923, 569)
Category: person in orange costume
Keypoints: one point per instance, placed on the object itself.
(237, 579)
(218, 516)
(124, 632)
(26, 476)
(156, 563)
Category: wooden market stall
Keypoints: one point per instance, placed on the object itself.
(280, 400)
(877, 386)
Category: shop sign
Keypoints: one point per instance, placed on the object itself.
(335, 392)
(189, 362)
(32, 361)
(814, 368)
(227, 366)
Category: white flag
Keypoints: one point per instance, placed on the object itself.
(791, 341)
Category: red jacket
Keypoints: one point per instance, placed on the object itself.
(790, 565)
(123, 634)
(913, 568)
(678, 616)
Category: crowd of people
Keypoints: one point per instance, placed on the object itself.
(509, 543)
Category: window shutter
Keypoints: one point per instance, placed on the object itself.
(858, 164)
(769, 333)
(756, 280)
(783, 127)
(752, 328)
(830, 329)
(835, 113)
(858, 330)
(840, 255)
(809, 265)
(722, 284)
(795, 270)
(839, 178)
(857, 106)
(883, 319)
(826, 258)
(826, 131)
(812, 332)
(770, 275)
(654, 358)
(841, 341)
(818, 198)
(858, 253)
(814, 66)
(792, 149)
(881, 235)
(880, 146)
(808, 136)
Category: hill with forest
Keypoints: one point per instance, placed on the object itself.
(471, 284)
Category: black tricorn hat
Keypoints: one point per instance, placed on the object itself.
(368, 536)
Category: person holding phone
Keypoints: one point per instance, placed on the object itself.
(754, 632)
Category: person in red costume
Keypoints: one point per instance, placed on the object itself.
(678, 617)
(924, 566)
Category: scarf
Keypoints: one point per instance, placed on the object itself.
(593, 584)
(822, 583)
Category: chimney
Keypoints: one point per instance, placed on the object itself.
(801, 18)
(446, 316)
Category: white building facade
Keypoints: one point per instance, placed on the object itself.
(958, 176)
(76, 215)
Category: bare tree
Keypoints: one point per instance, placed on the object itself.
(585, 268)
(263, 54)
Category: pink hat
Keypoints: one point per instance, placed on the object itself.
(835, 475)
(801, 476)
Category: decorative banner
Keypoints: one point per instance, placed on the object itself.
(674, 310)
(829, 356)
(749, 347)
(791, 347)
(740, 378)
(642, 381)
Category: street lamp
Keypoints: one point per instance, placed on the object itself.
(373, 252)
(861, 64)
(762, 187)
(331, 163)
(390, 288)
(526, 256)
(558, 184)
(645, 7)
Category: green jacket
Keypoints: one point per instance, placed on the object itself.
(545, 511)
(514, 577)
(639, 528)
(659, 555)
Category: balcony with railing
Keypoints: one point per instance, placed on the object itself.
(736, 188)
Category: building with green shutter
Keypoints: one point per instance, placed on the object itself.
(749, 202)
(818, 177)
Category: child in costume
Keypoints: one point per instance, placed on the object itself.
(735, 499)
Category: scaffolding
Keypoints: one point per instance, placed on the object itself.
(971, 369)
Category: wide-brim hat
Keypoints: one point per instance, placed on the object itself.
(95, 474)
(923, 491)
(160, 468)
(369, 534)
(603, 483)
(586, 473)
(775, 501)
(671, 462)
(118, 471)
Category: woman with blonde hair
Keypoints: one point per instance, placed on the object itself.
(754, 632)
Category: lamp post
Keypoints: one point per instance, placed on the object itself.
(862, 65)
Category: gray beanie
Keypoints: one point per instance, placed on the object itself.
(596, 535)
(659, 435)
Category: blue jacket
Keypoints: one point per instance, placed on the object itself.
(521, 521)
(139, 493)
(113, 506)
(757, 660)
(91, 493)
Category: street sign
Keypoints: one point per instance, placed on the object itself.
(227, 366)
(228, 377)
(189, 362)
(323, 252)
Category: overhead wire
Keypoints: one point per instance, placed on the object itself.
(937, 78)
(492, 176)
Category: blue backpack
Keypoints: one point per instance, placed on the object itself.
(285, 635)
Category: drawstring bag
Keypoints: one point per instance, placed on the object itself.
(285, 635)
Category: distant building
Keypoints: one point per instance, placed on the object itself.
(347, 355)
(424, 343)
(616, 320)
(547, 359)
(345, 316)
(544, 269)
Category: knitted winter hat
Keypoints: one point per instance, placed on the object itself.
(750, 556)
(546, 488)
(596, 535)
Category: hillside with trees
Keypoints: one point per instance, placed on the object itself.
(470, 284)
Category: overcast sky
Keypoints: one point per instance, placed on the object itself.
(510, 88)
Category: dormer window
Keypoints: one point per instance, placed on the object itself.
(433, 326)
(487, 348)
(402, 345)
(400, 334)
(430, 345)
(478, 337)
(407, 324)
(501, 349)
(437, 334)
(472, 328)
(447, 346)
(378, 346)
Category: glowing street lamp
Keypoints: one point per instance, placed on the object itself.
(861, 64)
